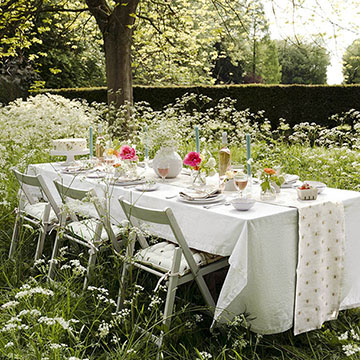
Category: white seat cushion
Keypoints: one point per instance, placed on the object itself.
(37, 211)
(85, 229)
(160, 256)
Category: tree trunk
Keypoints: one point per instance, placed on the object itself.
(118, 66)
(116, 28)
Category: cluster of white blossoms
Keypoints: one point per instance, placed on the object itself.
(33, 291)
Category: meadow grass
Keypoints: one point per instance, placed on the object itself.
(56, 320)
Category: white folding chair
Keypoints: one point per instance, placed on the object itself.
(88, 232)
(175, 262)
(37, 212)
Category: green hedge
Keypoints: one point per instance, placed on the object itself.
(295, 103)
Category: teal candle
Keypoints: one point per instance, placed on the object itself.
(248, 154)
(197, 141)
(91, 143)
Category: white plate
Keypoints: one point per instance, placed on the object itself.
(96, 175)
(128, 182)
(202, 201)
(147, 187)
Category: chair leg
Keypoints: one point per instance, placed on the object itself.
(172, 286)
(41, 240)
(121, 294)
(54, 256)
(15, 234)
(205, 292)
(90, 267)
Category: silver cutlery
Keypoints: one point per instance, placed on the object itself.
(171, 196)
(226, 203)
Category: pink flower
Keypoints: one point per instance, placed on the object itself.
(128, 153)
(192, 159)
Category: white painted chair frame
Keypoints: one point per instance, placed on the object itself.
(44, 224)
(166, 217)
(77, 194)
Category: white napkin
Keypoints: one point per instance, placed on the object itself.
(193, 196)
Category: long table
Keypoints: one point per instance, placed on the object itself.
(262, 245)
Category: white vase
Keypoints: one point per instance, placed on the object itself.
(172, 158)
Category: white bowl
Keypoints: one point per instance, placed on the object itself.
(242, 204)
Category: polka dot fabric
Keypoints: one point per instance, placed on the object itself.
(320, 265)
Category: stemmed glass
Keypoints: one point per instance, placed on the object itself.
(163, 170)
(240, 181)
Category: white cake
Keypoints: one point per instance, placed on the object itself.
(69, 145)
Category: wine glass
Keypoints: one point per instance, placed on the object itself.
(240, 181)
(163, 170)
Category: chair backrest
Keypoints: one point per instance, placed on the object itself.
(68, 192)
(25, 181)
(37, 181)
(163, 217)
(104, 216)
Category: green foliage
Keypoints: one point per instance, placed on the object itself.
(40, 319)
(295, 103)
(302, 63)
(351, 63)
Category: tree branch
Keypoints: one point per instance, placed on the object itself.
(59, 9)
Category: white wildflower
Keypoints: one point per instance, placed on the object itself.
(9, 304)
(198, 318)
(33, 291)
(344, 336)
(354, 335)
(131, 351)
(205, 355)
(350, 349)
(155, 300)
(104, 329)
(9, 344)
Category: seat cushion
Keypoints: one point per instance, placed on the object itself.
(85, 229)
(160, 256)
(37, 211)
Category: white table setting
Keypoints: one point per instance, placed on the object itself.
(293, 262)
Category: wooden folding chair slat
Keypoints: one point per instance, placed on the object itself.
(68, 192)
(39, 217)
(166, 217)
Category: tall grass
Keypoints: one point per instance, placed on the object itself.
(43, 320)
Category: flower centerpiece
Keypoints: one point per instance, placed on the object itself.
(201, 165)
(128, 161)
(163, 136)
(268, 177)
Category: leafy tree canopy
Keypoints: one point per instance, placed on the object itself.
(351, 63)
(302, 63)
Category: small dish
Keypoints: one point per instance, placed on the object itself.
(317, 184)
(242, 204)
(307, 194)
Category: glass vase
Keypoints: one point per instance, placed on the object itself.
(198, 178)
(268, 194)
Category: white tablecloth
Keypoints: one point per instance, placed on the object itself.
(262, 244)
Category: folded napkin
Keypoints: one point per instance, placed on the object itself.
(193, 196)
(290, 178)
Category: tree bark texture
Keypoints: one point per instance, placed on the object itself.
(116, 28)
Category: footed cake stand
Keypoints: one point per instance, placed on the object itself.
(70, 155)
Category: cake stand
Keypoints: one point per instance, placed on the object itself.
(70, 155)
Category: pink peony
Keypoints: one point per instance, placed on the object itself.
(128, 153)
(192, 159)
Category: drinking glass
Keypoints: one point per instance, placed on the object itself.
(163, 170)
(240, 181)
